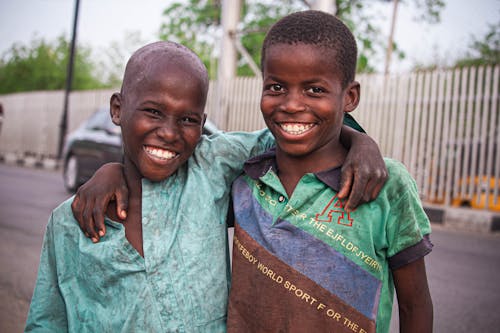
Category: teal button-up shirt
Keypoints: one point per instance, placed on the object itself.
(181, 284)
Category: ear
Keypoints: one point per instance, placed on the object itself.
(351, 96)
(115, 108)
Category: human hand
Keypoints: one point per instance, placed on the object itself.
(92, 199)
(363, 173)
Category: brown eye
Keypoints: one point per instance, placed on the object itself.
(189, 120)
(315, 90)
(276, 87)
(153, 112)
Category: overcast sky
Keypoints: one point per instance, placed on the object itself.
(102, 21)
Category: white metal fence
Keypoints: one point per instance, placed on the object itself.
(443, 125)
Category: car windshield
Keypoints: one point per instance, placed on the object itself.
(101, 120)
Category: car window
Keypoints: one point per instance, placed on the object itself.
(101, 120)
(96, 120)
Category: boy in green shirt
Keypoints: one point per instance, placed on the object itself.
(301, 261)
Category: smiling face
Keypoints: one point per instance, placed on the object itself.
(161, 116)
(303, 101)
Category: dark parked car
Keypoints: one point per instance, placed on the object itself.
(97, 141)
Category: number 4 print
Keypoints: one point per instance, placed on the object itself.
(335, 206)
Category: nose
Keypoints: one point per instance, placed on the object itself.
(168, 130)
(293, 102)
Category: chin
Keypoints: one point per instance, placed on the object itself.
(157, 176)
(295, 150)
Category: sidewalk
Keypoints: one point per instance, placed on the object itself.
(463, 219)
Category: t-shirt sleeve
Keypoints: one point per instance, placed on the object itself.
(227, 152)
(47, 311)
(408, 226)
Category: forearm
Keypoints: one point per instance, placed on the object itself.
(416, 318)
(414, 298)
(346, 136)
(349, 137)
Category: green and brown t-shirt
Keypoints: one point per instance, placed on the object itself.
(303, 264)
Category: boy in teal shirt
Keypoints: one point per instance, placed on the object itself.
(301, 262)
(164, 267)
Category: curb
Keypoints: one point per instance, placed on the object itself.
(463, 219)
(30, 161)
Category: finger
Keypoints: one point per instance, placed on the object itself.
(345, 182)
(356, 194)
(368, 191)
(376, 183)
(88, 222)
(122, 202)
(98, 214)
(376, 190)
(76, 208)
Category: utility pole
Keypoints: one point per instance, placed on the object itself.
(230, 18)
(63, 126)
(230, 46)
(227, 66)
(391, 37)
(325, 6)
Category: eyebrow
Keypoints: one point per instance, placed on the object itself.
(160, 105)
(309, 81)
(166, 108)
(314, 80)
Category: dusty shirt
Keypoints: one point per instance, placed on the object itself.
(303, 264)
(181, 284)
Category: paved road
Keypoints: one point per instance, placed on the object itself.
(27, 197)
(463, 269)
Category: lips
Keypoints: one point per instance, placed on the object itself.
(162, 154)
(295, 128)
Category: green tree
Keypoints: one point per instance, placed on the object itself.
(196, 24)
(484, 50)
(43, 66)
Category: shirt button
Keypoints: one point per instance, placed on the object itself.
(281, 198)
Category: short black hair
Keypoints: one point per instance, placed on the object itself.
(320, 29)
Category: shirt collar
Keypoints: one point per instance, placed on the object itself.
(258, 166)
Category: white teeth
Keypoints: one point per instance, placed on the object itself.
(296, 128)
(160, 153)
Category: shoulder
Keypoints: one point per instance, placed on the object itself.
(230, 147)
(223, 140)
(395, 168)
(212, 145)
(63, 215)
(398, 173)
(399, 184)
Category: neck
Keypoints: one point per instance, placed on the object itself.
(133, 222)
(133, 179)
(292, 168)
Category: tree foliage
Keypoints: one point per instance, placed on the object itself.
(43, 66)
(196, 24)
(484, 50)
